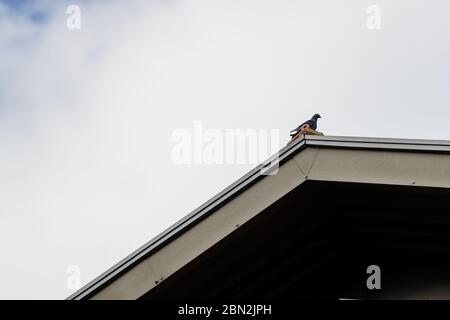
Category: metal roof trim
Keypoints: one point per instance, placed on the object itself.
(225, 195)
(170, 233)
(439, 146)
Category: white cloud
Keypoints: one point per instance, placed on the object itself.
(86, 116)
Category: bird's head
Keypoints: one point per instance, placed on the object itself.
(316, 116)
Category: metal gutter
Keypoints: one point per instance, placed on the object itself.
(251, 177)
(437, 146)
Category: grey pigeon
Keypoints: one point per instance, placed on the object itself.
(312, 124)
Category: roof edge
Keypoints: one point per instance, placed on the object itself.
(251, 177)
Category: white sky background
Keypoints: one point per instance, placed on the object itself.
(86, 116)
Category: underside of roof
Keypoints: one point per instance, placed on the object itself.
(268, 234)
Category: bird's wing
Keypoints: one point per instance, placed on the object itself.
(294, 132)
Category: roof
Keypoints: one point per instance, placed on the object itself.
(403, 162)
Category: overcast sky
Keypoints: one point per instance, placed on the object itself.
(87, 115)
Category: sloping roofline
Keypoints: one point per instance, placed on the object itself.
(433, 146)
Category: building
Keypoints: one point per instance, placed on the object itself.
(336, 207)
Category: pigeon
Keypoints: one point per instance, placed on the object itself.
(312, 123)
